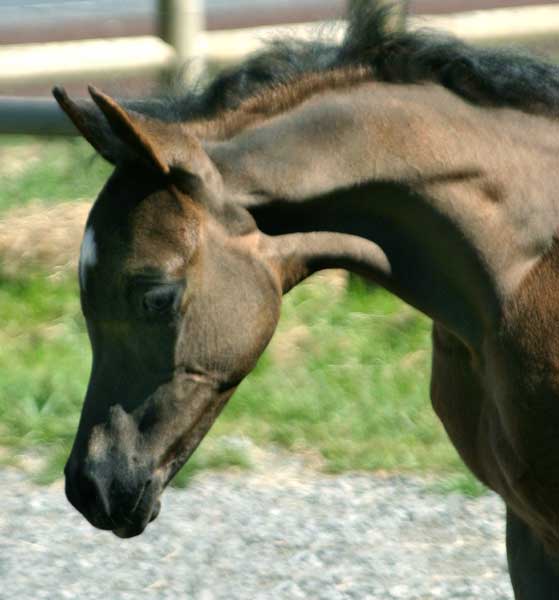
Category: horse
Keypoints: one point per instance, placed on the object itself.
(423, 164)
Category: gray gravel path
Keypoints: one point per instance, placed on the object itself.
(283, 532)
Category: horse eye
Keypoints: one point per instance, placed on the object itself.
(160, 300)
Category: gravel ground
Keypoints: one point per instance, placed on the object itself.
(280, 532)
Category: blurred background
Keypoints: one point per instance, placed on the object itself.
(345, 380)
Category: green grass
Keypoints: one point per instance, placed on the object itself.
(51, 171)
(352, 385)
(346, 376)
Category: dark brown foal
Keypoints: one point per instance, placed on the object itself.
(413, 163)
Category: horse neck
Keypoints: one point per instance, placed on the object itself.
(342, 137)
(412, 168)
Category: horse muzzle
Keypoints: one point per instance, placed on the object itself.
(113, 497)
(119, 467)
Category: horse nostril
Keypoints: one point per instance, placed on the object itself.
(90, 494)
(82, 493)
(101, 495)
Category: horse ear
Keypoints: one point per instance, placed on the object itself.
(120, 134)
(106, 130)
(167, 147)
(90, 123)
(131, 129)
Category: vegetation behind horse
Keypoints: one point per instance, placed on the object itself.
(44, 355)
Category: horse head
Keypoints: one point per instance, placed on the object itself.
(181, 294)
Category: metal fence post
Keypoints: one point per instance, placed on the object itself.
(180, 25)
(406, 5)
(33, 116)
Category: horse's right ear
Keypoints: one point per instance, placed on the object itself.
(91, 123)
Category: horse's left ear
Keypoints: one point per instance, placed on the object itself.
(166, 147)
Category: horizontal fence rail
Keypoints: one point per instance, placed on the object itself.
(63, 61)
(60, 62)
(521, 24)
(34, 116)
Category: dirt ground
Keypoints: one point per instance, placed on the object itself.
(46, 237)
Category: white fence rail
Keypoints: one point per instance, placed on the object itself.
(60, 62)
(63, 61)
(511, 25)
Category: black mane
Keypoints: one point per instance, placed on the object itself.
(494, 77)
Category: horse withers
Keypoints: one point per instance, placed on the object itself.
(427, 166)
